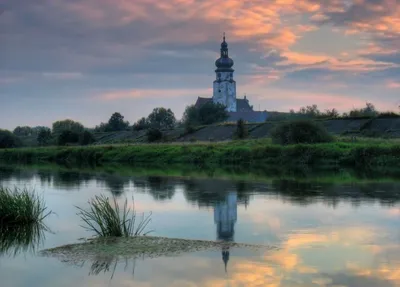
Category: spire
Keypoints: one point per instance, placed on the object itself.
(224, 36)
(225, 257)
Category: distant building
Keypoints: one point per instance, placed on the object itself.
(224, 91)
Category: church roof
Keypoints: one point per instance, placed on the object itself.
(251, 117)
(201, 101)
(242, 105)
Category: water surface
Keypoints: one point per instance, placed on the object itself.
(328, 233)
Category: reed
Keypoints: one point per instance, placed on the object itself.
(109, 220)
(21, 207)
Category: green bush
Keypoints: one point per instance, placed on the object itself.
(9, 140)
(68, 137)
(301, 131)
(154, 134)
(86, 138)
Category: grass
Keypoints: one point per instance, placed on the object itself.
(108, 220)
(245, 153)
(21, 207)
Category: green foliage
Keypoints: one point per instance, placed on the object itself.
(153, 135)
(381, 154)
(108, 220)
(67, 125)
(23, 131)
(9, 140)
(68, 137)
(117, 123)
(44, 136)
(161, 118)
(141, 124)
(86, 138)
(241, 129)
(368, 111)
(207, 114)
(301, 131)
(19, 207)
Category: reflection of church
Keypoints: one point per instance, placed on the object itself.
(225, 216)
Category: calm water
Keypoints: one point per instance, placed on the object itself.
(330, 240)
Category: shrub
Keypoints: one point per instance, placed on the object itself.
(44, 136)
(241, 129)
(301, 131)
(21, 207)
(161, 118)
(108, 220)
(141, 124)
(154, 134)
(68, 137)
(9, 140)
(86, 138)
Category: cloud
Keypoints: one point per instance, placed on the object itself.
(116, 48)
(150, 94)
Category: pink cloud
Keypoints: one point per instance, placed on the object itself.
(152, 94)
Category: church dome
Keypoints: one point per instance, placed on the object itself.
(224, 63)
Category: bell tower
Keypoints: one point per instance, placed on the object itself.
(224, 88)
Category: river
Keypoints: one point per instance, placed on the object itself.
(327, 232)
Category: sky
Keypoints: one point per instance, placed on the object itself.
(86, 59)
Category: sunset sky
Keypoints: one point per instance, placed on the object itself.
(85, 59)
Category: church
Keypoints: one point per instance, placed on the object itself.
(224, 91)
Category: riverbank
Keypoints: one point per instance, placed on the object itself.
(246, 154)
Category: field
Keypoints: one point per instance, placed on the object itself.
(247, 153)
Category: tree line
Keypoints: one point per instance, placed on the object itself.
(69, 132)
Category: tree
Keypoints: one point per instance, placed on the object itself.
(333, 113)
(300, 131)
(86, 138)
(8, 140)
(310, 111)
(68, 137)
(23, 131)
(141, 124)
(44, 136)
(241, 129)
(368, 111)
(161, 118)
(211, 113)
(117, 123)
(67, 125)
(207, 114)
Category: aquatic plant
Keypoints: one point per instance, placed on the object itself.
(21, 238)
(19, 207)
(107, 220)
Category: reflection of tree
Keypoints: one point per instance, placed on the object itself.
(116, 184)
(160, 188)
(6, 173)
(21, 238)
(70, 179)
(44, 176)
(208, 192)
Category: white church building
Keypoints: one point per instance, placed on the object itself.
(224, 91)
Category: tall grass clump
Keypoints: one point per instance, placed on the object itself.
(300, 132)
(108, 220)
(19, 207)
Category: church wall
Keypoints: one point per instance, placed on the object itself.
(224, 90)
